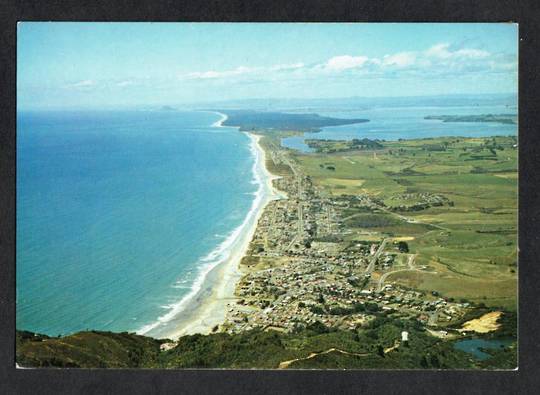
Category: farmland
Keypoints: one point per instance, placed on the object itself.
(454, 198)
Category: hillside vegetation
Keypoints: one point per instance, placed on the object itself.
(376, 346)
(89, 349)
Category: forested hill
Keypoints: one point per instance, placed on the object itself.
(374, 347)
(267, 121)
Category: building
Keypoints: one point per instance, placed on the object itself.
(405, 337)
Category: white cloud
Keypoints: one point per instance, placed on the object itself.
(344, 62)
(439, 59)
(82, 84)
(443, 51)
(472, 53)
(293, 66)
(125, 83)
(439, 51)
(219, 74)
(401, 59)
(240, 71)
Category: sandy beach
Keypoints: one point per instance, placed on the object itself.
(202, 311)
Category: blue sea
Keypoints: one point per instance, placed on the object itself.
(117, 211)
(407, 122)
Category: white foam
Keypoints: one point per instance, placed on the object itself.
(223, 251)
(178, 286)
(219, 123)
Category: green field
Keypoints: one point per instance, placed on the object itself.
(470, 240)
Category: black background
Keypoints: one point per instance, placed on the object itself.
(96, 381)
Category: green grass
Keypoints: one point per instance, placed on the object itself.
(472, 242)
(372, 220)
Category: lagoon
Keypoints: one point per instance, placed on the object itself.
(475, 346)
(407, 122)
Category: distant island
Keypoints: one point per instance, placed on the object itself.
(168, 108)
(499, 118)
(260, 121)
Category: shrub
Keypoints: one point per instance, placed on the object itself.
(403, 246)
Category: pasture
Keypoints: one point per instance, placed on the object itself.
(470, 240)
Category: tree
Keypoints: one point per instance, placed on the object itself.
(372, 307)
(318, 327)
(359, 307)
(380, 350)
(316, 310)
(403, 246)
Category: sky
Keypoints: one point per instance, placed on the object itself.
(104, 65)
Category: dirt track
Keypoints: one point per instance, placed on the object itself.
(285, 364)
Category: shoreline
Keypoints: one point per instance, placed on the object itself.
(207, 307)
(219, 122)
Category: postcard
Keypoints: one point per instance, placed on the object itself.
(267, 195)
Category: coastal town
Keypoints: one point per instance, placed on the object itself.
(301, 268)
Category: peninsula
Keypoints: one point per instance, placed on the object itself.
(265, 122)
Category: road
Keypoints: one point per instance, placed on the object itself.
(412, 220)
(300, 209)
(371, 265)
(410, 266)
(300, 225)
(402, 217)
